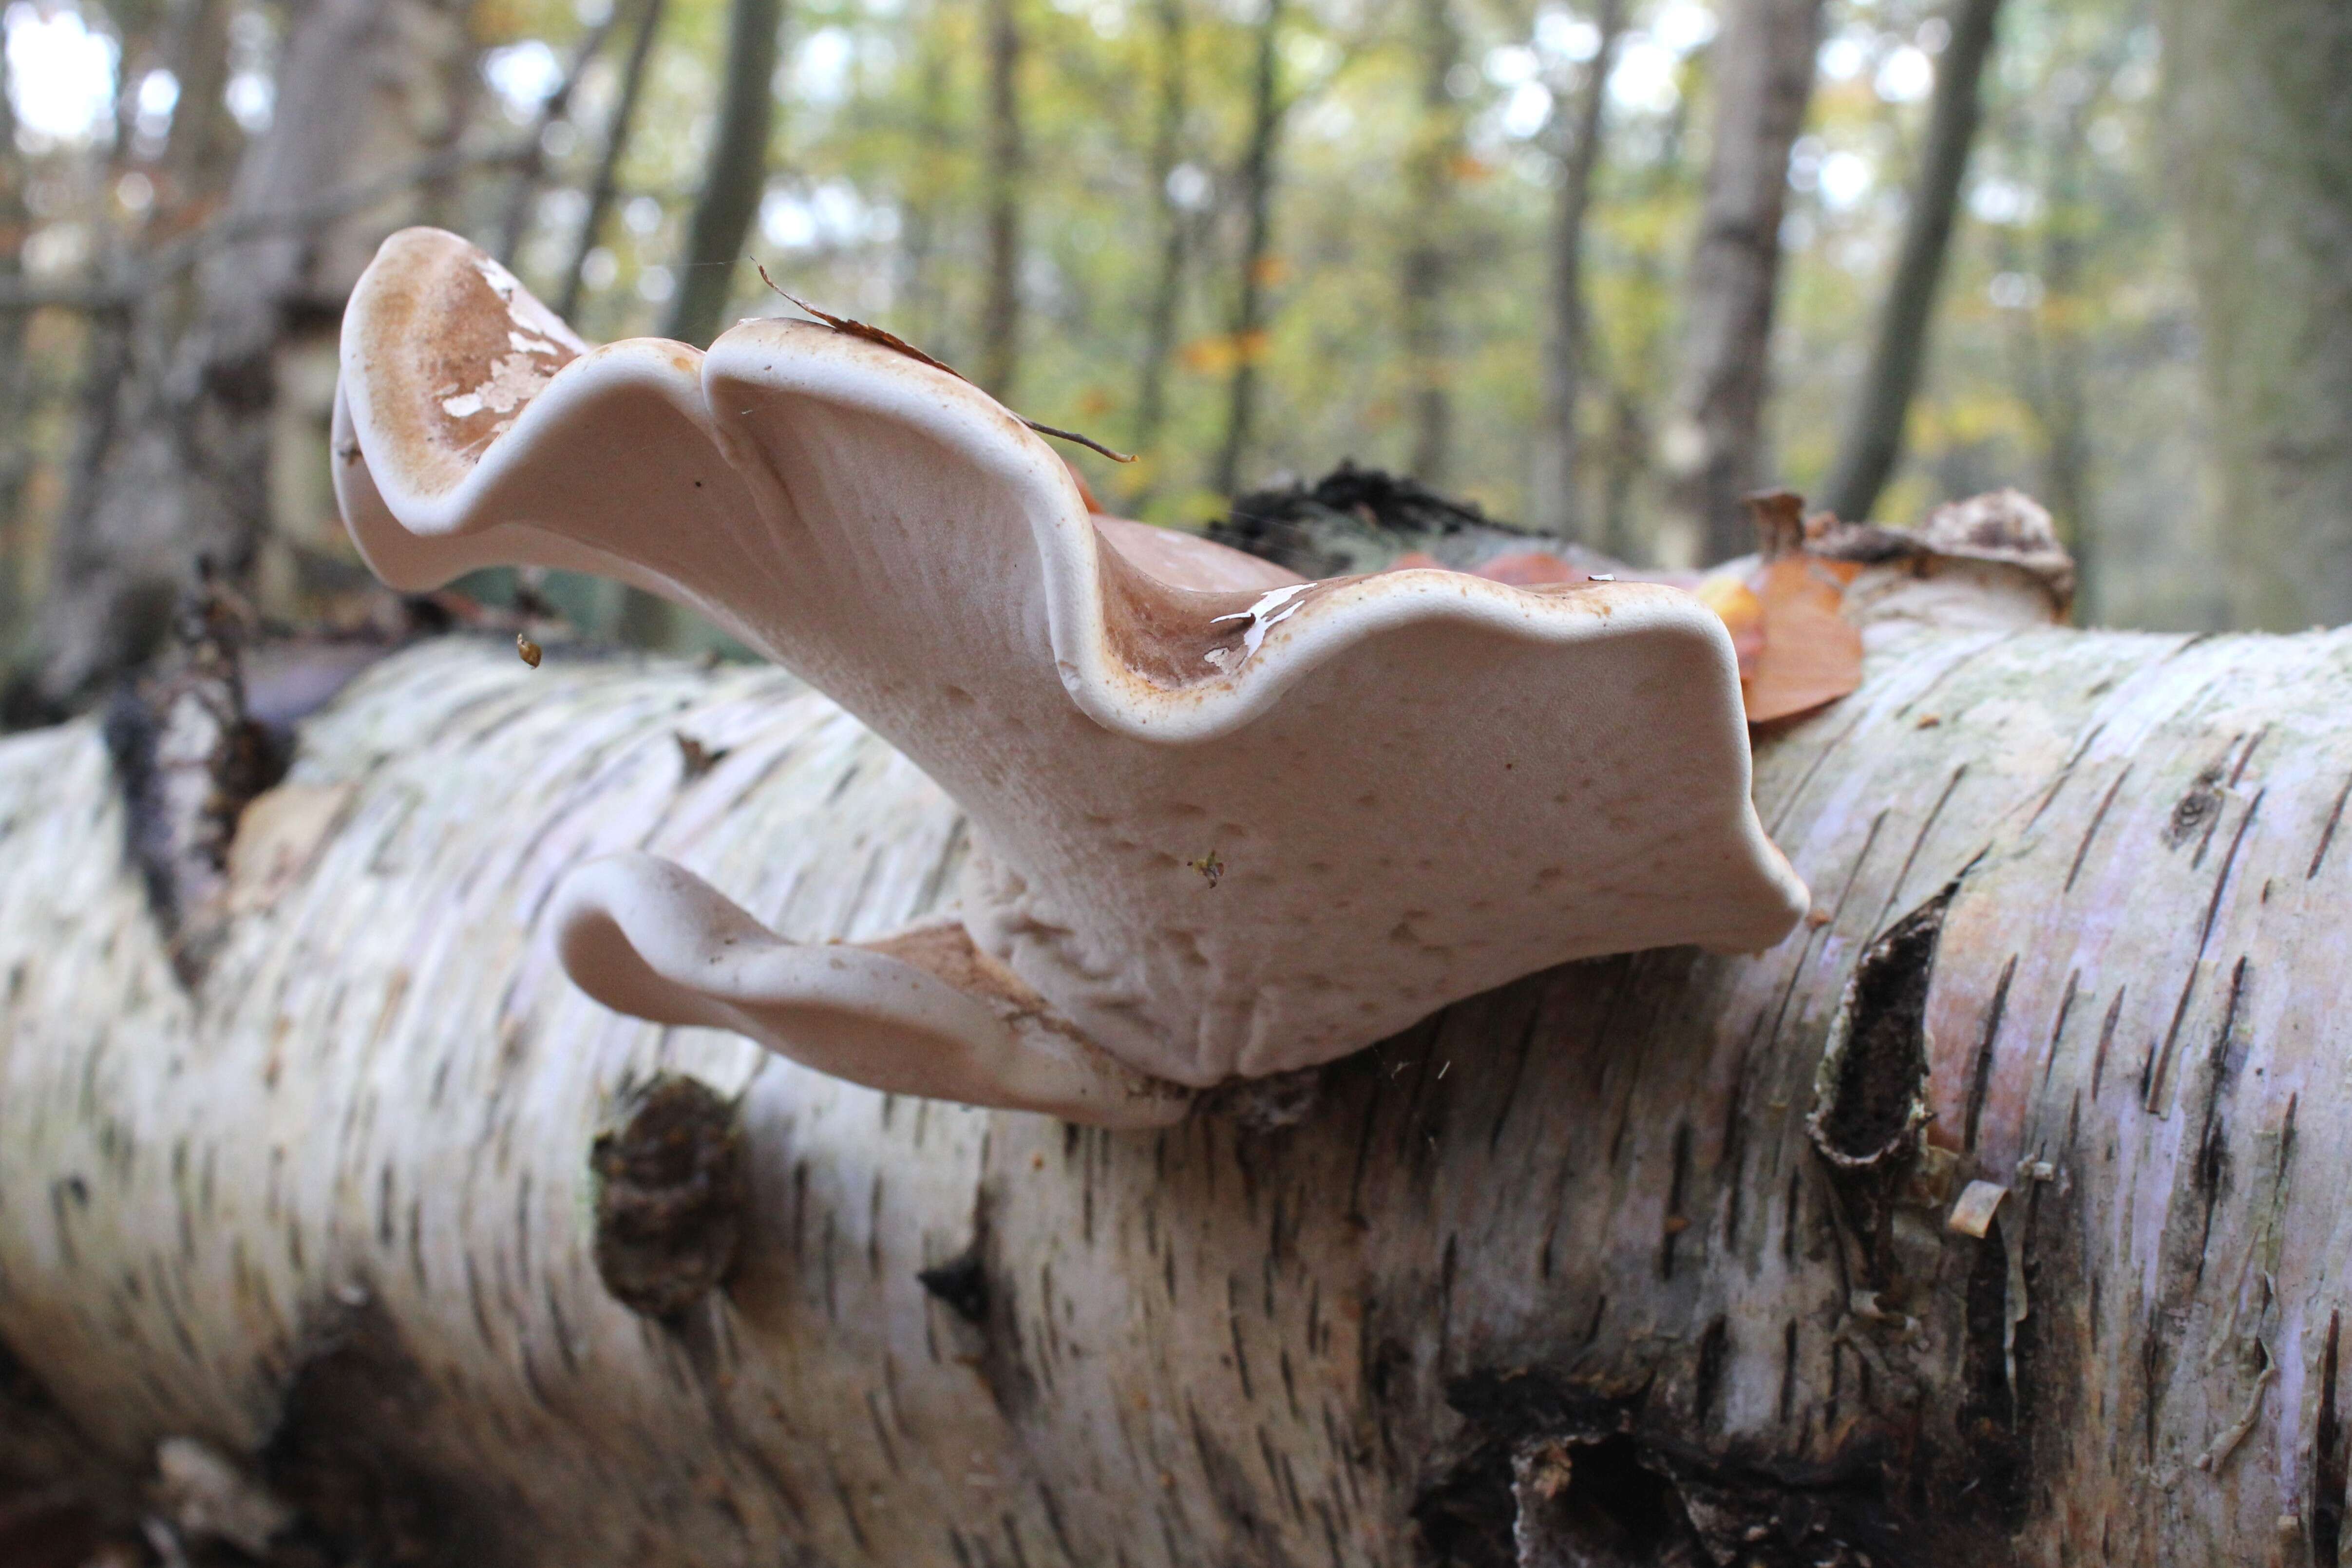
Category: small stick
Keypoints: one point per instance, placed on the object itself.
(873, 334)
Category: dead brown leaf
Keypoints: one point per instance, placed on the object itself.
(1810, 653)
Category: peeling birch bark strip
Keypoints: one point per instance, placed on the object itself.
(334, 1212)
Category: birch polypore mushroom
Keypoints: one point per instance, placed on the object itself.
(1227, 821)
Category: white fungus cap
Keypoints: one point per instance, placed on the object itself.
(1231, 822)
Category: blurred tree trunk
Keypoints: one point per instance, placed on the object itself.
(529, 175)
(15, 409)
(999, 317)
(1873, 443)
(605, 186)
(1628, 443)
(2259, 120)
(2048, 341)
(735, 178)
(1762, 67)
(927, 187)
(1558, 507)
(125, 334)
(1257, 177)
(1430, 237)
(1168, 285)
(201, 149)
(174, 457)
(147, 35)
(2064, 414)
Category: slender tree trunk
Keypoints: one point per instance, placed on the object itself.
(126, 345)
(1430, 242)
(1666, 1259)
(1873, 443)
(176, 441)
(1636, 379)
(1257, 177)
(1558, 507)
(928, 188)
(201, 151)
(531, 169)
(15, 408)
(133, 615)
(145, 39)
(2066, 443)
(1629, 441)
(2260, 163)
(1000, 317)
(1168, 285)
(2051, 351)
(736, 176)
(455, 84)
(604, 187)
(1762, 64)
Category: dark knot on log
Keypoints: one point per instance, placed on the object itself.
(670, 1195)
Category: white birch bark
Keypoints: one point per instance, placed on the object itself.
(1569, 1244)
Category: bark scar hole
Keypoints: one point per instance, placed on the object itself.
(1551, 1475)
(189, 756)
(961, 1283)
(1555, 1502)
(1989, 1414)
(671, 1193)
(365, 1453)
(1597, 1504)
(1870, 1093)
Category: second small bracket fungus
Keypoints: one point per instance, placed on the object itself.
(920, 1013)
(1415, 786)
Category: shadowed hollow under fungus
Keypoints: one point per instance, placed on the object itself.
(1413, 786)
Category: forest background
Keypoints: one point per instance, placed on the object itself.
(1245, 239)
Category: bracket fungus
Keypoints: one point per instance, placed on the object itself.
(1412, 786)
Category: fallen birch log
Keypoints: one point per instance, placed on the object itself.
(1992, 1215)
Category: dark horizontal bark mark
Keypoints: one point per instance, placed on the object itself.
(2066, 774)
(2328, 1460)
(2106, 1039)
(2083, 850)
(1805, 779)
(2223, 1062)
(1734, 1141)
(1981, 1077)
(1952, 667)
(1853, 873)
(1510, 1095)
(1713, 1358)
(1788, 1402)
(2246, 757)
(2160, 1080)
(2058, 1028)
(2328, 834)
(1677, 1221)
(1935, 814)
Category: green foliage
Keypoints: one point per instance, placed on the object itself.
(2062, 361)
